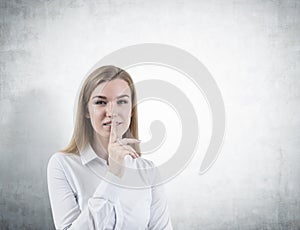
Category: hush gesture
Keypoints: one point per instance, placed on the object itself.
(118, 148)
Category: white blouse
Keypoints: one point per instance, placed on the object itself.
(82, 199)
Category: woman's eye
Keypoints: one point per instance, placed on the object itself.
(100, 102)
(122, 102)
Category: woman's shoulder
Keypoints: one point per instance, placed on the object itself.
(62, 155)
(146, 163)
(60, 158)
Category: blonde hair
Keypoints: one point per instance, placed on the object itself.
(83, 130)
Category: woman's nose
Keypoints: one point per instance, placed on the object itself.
(110, 110)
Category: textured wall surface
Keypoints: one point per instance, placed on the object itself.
(252, 49)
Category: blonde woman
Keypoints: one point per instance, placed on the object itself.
(104, 142)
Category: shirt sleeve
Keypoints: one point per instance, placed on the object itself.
(159, 211)
(102, 206)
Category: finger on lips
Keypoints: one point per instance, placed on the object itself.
(113, 132)
(115, 140)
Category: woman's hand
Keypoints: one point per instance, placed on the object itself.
(118, 148)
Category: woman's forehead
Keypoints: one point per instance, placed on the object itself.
(112, 89)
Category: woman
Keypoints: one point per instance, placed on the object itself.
(104, 147)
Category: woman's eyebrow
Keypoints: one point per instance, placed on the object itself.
(99, 97)
(125, 95)
(103, 97)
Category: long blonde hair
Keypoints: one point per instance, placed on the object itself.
(83, 130)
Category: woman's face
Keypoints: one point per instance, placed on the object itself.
(110, 99)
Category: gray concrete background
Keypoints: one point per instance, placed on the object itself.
(252, 49)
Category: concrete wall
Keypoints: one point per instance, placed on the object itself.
(251, 48)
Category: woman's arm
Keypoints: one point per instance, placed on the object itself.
(102, 207)
(159, 213)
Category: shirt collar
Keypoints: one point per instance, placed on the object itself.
(88, 154)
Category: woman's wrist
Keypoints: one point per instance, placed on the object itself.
(116, 171)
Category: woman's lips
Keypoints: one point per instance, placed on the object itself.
(108, 124)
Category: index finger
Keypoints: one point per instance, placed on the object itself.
(113, 131)
(114, 136)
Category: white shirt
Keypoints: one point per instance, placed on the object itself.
(81, 199)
